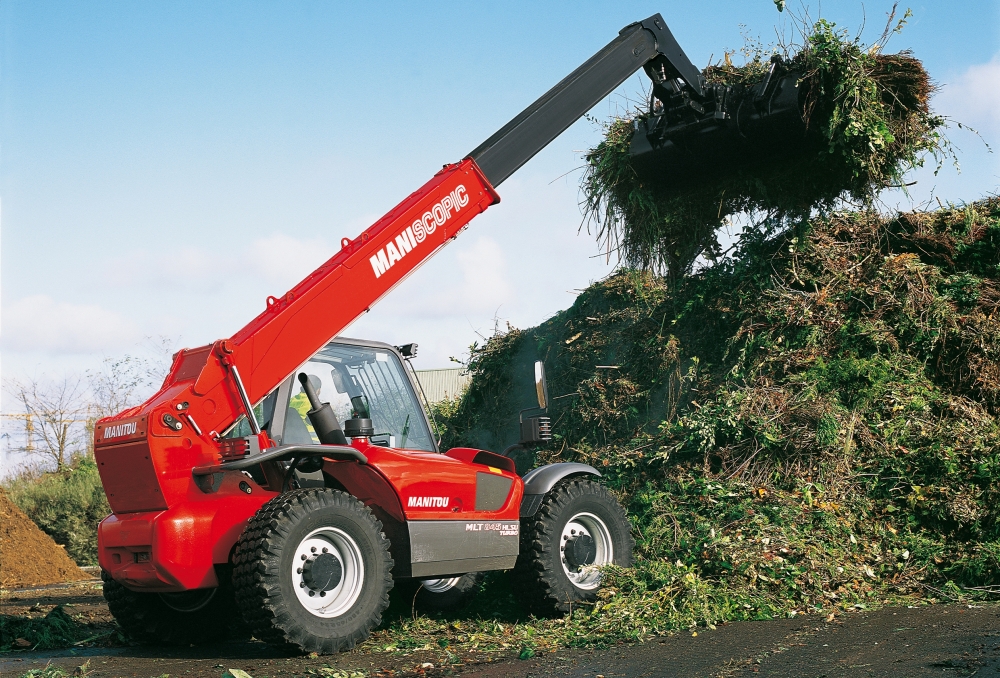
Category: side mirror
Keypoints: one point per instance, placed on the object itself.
(541, 386)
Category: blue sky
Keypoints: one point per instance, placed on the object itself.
(164, 167)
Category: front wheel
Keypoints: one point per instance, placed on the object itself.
(313, 571)
(579, 528)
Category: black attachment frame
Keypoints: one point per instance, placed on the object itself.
(636, 46)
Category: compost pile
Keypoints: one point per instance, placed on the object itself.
(28, 556)
(868, 123)
(813, 424)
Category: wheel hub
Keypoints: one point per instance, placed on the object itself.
(580, 550)
(323, 572)
(328, 572)
(585, 547)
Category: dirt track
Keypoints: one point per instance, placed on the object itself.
(948, 640)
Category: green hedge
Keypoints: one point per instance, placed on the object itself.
(67, 506)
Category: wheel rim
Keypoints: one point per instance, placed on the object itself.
(328, 572)
(583, 560)
(188, 601)
(440, 585)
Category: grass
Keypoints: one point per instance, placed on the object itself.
(57, 629)
(49, 671)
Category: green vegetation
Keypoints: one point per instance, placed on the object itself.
(868, 123)
(67, 506)
(50, 671)
(55, 630)
(811, 425)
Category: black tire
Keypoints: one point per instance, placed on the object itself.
(193, 617)
(266, 561)
(448, 593)
(541, 577)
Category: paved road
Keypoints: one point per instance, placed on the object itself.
(942, 640)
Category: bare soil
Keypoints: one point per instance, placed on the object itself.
(949, 640)
(28, 556)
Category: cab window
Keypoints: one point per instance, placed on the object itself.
(360, 382)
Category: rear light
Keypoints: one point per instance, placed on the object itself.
(234, 448)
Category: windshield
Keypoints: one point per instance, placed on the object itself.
(364, 382)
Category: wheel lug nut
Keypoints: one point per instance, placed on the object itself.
(312, 593)
(302, 584)
(325, 549)
(313, 549)
(299, 570)
(303, 556)
(322, 593)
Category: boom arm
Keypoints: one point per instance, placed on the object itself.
(202, 382)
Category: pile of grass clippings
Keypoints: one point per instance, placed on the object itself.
(57, 629)
(810, 426)
(868, 123)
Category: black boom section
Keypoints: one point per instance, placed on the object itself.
(636, 45)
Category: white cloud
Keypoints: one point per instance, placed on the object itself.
(974, 97)
(481, 287)
(39, 323)
(279, 259)
(282, 259)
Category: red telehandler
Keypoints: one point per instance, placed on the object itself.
(282, 479)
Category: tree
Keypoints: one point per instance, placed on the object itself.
(122, 383)
(56, 415)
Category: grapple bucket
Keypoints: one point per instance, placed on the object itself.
(684, 138)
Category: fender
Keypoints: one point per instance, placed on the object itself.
(540, 481)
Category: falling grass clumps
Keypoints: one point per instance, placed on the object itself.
(812, 425)
(867, 123)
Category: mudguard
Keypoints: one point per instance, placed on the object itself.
(538, 482)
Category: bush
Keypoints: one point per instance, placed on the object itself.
(67, 506)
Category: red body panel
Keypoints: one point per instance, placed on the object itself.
(188, 539)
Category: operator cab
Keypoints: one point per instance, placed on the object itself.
(360, 380)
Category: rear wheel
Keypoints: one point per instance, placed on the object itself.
(313, 571)
(450, 593)
(189, 617)
(579, 528)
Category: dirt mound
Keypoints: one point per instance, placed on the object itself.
(28, 556)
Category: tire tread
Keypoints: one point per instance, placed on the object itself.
(544, 589)
(256, 562)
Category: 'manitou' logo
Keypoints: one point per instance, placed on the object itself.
(119, 430)
(428, 502)
(417, 232)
